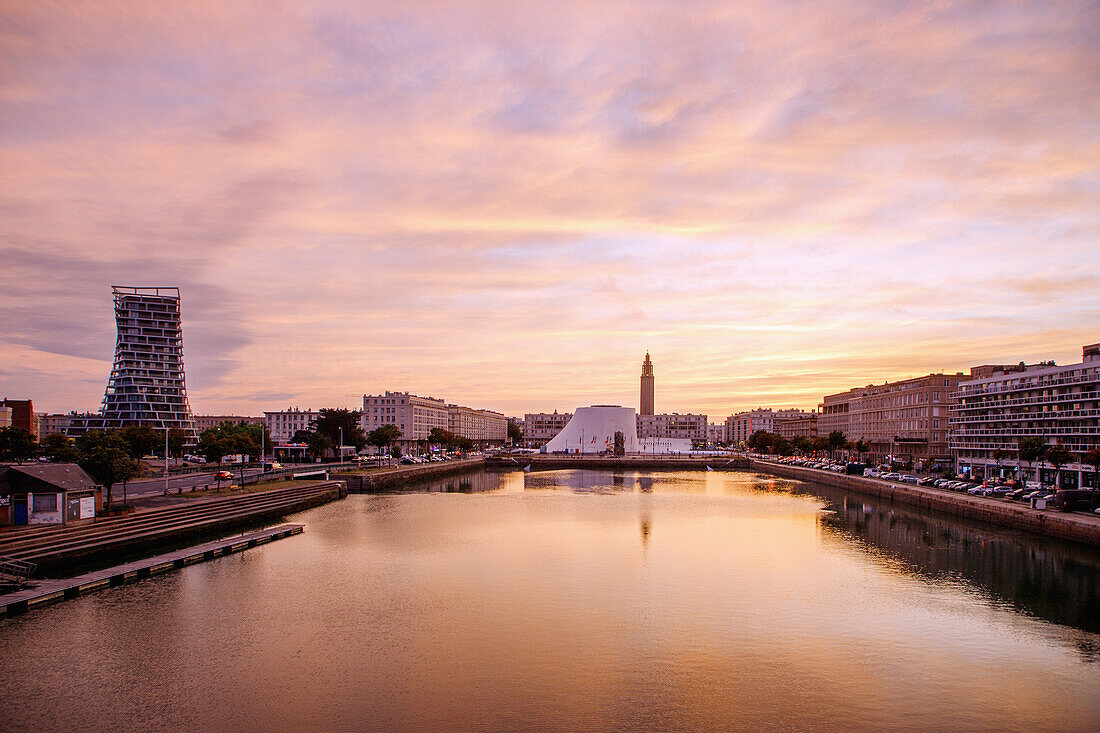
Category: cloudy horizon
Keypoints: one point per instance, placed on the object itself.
(506, 205)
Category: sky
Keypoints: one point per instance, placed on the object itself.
(507, 204)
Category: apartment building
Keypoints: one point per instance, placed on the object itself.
(741, 426)
(795, 427)
(674, 425)
(282, 425)
(540, 427)
(998, 406)
(716, 432)
(832, 413)
(22, 415)
(905, 420)
(205, 422)
(5, 416)
(480, 426)
(414, 416)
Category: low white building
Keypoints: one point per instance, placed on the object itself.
(592, 430)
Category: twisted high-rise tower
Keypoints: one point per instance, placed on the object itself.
(646, 404)
(147, 381)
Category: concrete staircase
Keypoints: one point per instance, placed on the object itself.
(59, 548)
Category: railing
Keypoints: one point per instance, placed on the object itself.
(16, 571)
(1035, 382)
(1018, 416)
(1036, 400)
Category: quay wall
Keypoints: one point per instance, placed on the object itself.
(539, 462)
(1080, 528)
(365, 483)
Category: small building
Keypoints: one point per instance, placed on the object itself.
(47, 493)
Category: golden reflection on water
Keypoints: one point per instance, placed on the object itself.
(578, 600)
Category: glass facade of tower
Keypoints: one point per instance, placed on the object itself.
(147, 384)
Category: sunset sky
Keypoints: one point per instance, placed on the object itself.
(506, 204)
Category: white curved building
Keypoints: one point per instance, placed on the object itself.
(592, 430)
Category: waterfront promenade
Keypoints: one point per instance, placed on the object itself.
(1072, 526)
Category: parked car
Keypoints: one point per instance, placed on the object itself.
(909, 479)
(871, 472)
(892, 476)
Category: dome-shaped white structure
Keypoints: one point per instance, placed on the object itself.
(592, 430)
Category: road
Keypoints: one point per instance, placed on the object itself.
(155, 486)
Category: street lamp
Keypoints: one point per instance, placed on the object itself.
(341, 446)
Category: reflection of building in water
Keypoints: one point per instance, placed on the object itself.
(646, 527)
(1054, 581)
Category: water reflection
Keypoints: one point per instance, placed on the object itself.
(1055, 581)
(609, 601)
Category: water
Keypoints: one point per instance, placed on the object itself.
(583, 601)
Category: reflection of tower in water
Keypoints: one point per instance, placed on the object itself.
(646, 526)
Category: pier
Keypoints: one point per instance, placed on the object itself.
(45, 592)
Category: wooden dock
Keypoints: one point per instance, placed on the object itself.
(45, 592)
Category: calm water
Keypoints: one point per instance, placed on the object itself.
(579, 600)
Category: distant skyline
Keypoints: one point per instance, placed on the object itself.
(506, 205)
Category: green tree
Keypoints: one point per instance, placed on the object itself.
(862, 448)
(760, 441)
(16, 444)
(57, 447)
(836, 441)
(1030, 450)
(1058, 456)
(515, 432)
(229, 439)
(141, 440)
(105, 456)
(801, 444)
(177, 439)
(330, 421)
(441, 437)
(316, 444)
(820, 444)
(384, 436)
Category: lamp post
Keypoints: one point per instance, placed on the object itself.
(166, 429)
(341, 446)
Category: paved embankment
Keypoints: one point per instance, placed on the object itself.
(45, 592)
(60, 549)
(1075, 527)
(375, 480)
(538, 461)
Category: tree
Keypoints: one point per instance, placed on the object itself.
(862, 447)
(820, 443)
(836, 441)
(441, 437)
(316, 444)
(515, 432)
(57, 447)
(16, 444)
(760, 441)
(229, 439)
(141, 440)
(330, 422)
(1032, 449)
(384, 436)
(177, 438)
(105, 456)
(1093, 459)
(1058, 456)
(801, 444)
